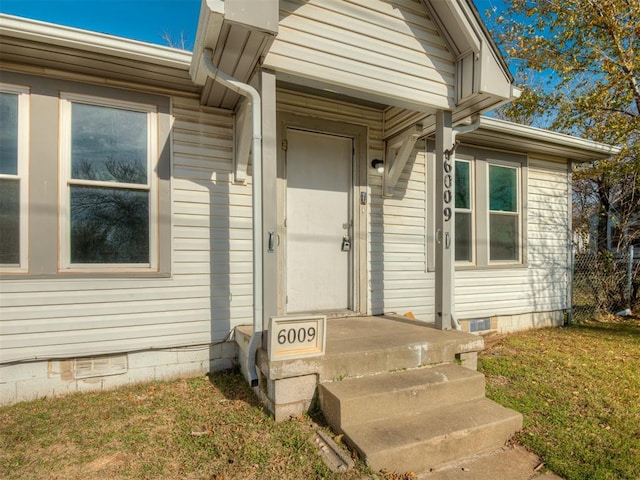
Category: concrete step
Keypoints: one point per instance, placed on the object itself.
(418, 441)
(400, 345)
(373, 397)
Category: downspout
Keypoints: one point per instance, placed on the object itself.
(460, 129)
(252, 95)
(474, 125)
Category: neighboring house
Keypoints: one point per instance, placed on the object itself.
(134, 176)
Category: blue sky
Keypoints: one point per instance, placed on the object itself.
(146, 20)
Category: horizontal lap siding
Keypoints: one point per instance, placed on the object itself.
(210, 286)
(542, 286)
(381, 47)
(396, 226)
(398, 278)
(548, 247)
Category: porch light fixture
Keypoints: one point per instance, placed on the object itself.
(378, 165)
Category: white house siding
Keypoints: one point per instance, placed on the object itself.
(398, 268)
(396, 226)
(211, 216)
(542, 285)
(209, 290)
(375, 46)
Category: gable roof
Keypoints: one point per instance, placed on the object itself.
(422, 55)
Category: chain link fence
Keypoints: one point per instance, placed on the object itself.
(604, 283)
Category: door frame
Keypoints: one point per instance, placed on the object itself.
(358, 134)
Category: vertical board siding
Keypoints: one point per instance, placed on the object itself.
(210, 287)
(388, 48)
(396, 226)
(542, 285)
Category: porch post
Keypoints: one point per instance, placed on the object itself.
(445, 221)
(267, 82)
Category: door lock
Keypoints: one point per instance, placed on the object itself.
(346, 244)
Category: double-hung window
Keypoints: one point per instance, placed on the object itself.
(14, 155)
(490, 208)
(464, 211)
(108, 195)
(504, 212)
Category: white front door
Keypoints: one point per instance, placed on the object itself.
(318, 218)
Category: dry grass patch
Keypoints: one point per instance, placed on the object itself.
(579, 390)
(200, 428)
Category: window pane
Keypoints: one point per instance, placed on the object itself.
(503, 237)
(108, 144)
(503, 189)
(109, 225)
(9, 222)
(463, 236)
(463, 192)
(9, 133)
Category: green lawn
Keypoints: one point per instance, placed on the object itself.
(578, 388)
(200, 428)
(579, 391)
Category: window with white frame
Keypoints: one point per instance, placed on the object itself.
(464, 211)
(504, 213)
(108, 199)
(14, 156)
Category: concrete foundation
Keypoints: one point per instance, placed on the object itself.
(28, 381)
(514, 323)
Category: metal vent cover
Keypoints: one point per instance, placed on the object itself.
(99, 366)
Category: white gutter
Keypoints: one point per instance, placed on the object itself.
(63, 36)
(548, 136)
(252, 95)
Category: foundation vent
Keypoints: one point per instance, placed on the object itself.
(479, 325)
(99, 366)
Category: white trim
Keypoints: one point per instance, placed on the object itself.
(52, 34)
(517, 213)
(66, 101)
(22, 175)
(547, 136)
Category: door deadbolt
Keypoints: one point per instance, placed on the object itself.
(346, 244)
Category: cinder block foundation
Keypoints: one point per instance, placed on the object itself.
(51, 378)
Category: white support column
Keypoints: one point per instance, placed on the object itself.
(267, 86)
(445, 221)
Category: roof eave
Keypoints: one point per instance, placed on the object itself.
(575, 148)
(52, 34)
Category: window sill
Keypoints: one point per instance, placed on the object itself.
(84, 275)
(492, 266)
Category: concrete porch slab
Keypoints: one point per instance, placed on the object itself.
(361, 334)
(359, 346)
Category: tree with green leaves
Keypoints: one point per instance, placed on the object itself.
(578, 62)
